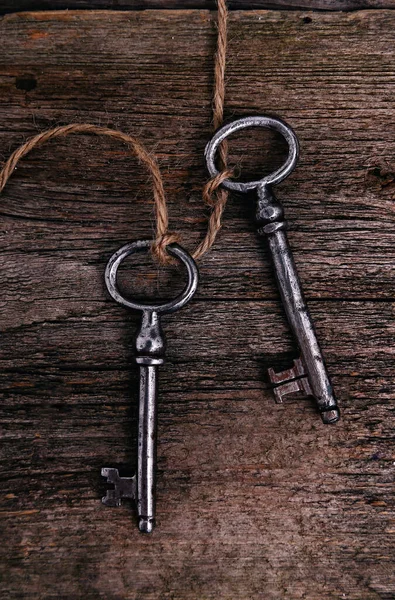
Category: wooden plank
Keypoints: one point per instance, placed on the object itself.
(243, 484)
(339, 200)
(255, 500)
(7, 6)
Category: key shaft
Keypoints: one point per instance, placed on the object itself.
(150, 349)
(147, 441)
(271, 224)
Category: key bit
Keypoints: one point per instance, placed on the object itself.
(124, 487)
(296, 381)
(290, 382)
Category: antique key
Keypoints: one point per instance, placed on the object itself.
(150, 349)
(308, 374)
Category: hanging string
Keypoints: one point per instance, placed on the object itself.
(138, 150)
(214, 197)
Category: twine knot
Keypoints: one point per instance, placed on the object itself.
(160, 244)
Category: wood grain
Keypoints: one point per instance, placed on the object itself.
(7, 6)
(255, 500)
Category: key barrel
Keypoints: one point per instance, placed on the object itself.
(147, 436)
(150, 349)
(271, 224)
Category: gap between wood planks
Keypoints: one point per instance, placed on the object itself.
(10, 6)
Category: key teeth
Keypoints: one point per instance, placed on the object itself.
(297, 386)
(124, 487)
(111, 474)
(297, 370)
(111, 499)
(272, 375)
(278, 396)
(291, 381)
(296, 381)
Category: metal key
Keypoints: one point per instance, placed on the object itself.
(150, 349)
(308, 374)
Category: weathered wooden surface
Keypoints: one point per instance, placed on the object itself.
(19, 5)
(255, 500)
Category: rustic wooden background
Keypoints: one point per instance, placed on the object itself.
(255, 500)
(14, 5)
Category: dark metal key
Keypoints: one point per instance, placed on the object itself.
(308, 374)
(150, 350)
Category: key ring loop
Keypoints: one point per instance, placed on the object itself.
(144, 245)
(256, 121)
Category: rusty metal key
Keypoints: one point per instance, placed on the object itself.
(308, 375)
(149, 355)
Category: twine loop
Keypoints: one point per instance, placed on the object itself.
(214, 197)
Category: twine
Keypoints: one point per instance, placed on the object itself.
(213, 197)
(163, 236)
